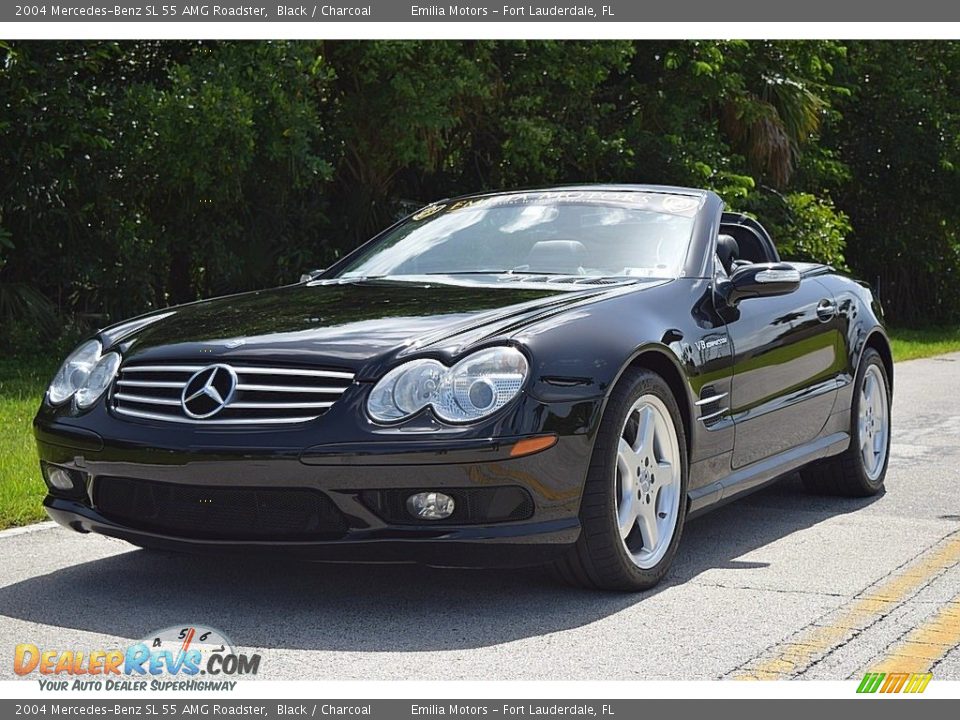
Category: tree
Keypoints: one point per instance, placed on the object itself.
(898, 132)
(138, 174)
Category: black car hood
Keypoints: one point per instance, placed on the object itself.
(357, 325)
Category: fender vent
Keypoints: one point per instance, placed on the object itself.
(712, 405)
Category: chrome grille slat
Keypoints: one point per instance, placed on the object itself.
(149, 383)
(293, 371)
(278, 406)
(287, 388)
(165, 368)
(146, 400)
(263, 395)
(210, 421)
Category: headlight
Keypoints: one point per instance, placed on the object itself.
(98, 380)
(74, 372)
(85, 373)
(475, 387)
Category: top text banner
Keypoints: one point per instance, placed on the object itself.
(497, 11)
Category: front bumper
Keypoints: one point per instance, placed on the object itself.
(344, 473)
(532, 543)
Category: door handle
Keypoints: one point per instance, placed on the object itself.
(826, 309)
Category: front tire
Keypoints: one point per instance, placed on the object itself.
(860, 470)
(635, 497)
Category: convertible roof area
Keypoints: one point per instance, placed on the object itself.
(753, 241)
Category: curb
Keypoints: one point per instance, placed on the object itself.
(26, 529)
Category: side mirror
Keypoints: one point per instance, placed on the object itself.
(311, 274)
(759, 280)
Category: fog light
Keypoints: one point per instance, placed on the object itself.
(430, 505)
(60, 479)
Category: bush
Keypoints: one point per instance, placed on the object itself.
(813, 229)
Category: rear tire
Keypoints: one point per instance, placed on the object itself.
(861, 469)
(635, 496)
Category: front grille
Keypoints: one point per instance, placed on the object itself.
(263, 395)
(472, 506)
(219, 513)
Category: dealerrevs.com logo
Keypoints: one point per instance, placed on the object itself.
(187, 657)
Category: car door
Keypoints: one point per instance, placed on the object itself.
(787, 353)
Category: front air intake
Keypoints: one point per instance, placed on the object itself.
(219, 513)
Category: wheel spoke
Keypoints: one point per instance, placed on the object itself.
(645, 429)
(664, 474)
(866, 451)
(627, 500)
(647, 521)
(869, 389)
(628, 458)
(627, 514)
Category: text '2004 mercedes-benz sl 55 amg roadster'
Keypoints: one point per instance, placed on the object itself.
(560, 376)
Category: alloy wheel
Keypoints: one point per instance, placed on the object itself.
(874, 422)
(648, 481)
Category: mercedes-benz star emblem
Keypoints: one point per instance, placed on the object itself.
(208, 391)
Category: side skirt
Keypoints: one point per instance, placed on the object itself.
(763, 472)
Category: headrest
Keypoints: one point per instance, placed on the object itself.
(728, 250)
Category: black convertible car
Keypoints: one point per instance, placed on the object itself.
(556, 376)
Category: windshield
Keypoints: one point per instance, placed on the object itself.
(592, 233)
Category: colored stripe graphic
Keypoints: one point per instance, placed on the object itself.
(918, 682)
(870, 682)
(894, 682)
(897, 682)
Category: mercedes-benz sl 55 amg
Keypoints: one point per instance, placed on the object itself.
(557, 376)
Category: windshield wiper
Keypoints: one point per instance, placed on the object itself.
(497, 272)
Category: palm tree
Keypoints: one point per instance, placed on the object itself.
(768, 127)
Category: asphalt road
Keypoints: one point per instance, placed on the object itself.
(780, 584)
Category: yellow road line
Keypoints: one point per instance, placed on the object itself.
(812, 643)
(927, 644)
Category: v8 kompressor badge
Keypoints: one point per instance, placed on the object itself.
(174, 658)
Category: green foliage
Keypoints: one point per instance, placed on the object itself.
(899, 132)
(134, 175)
(138, 174)
(814, 230)
(805, 227)
(913, 343)
(22, 384)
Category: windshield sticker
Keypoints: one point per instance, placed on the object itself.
(428, 211)
(680, 204)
